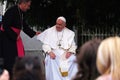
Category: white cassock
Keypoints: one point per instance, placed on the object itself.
(59, 43)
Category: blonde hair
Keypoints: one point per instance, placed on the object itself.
(108, 57)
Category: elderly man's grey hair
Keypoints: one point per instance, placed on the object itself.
(62, 18)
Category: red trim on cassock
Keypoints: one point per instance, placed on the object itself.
(20, 47)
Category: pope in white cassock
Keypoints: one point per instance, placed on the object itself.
(59, 45)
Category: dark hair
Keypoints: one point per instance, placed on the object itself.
(27, 68)
(86, 59)
(22, 1)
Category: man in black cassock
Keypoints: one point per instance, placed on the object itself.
(13, 23)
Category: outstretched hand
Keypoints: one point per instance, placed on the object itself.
(38, 33)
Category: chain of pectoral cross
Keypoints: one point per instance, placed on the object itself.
(60, 40)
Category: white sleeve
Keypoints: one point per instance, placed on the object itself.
(73, 47)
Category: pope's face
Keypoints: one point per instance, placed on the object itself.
(60, 25)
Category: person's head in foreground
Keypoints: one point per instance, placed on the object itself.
(27, 68)
(86, 60)
(108, 59)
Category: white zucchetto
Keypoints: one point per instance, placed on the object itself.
(62, 18)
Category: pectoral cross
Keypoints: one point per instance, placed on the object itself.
(59, 44)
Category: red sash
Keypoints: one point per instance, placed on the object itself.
(1, 28)
(20, 47)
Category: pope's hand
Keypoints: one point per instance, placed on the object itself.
(68, 54)
(52, 55)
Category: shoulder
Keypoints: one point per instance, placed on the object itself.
(69, 31)
(50, 29)
(11, 10)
